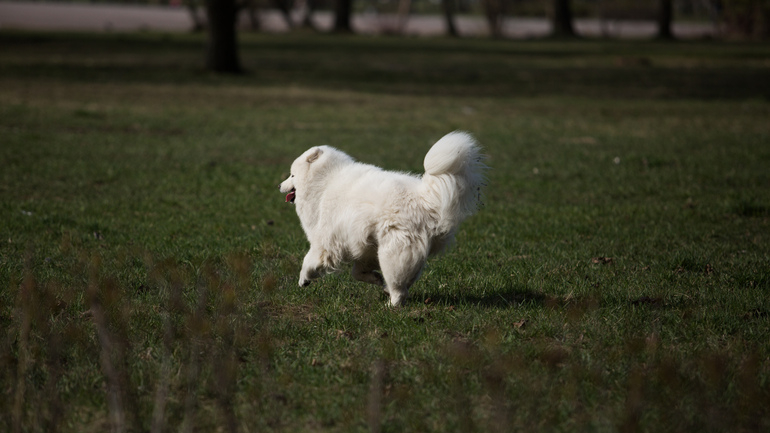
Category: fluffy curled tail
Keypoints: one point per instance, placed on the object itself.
(453, 179)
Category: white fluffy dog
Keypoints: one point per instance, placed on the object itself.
(386, 223)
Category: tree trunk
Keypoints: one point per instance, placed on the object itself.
(404, 6)
(307, 19)
(665, 17)
(449, 17)
(222, 45)
(562, 19)
(342, 14)
(192, 7)
(285, 8)
(254, 23)
(494, 10)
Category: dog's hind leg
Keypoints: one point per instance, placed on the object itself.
(401, 266)
(365, 269)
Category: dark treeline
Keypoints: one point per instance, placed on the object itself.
(749, 18)
(745, 19)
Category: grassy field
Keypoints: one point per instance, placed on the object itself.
(617, 279)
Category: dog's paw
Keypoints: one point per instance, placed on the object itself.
(397, 300)
(304, 278)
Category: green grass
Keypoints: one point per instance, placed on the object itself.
(617, 279)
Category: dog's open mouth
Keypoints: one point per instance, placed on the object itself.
(291, 196)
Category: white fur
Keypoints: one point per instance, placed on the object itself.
(386, 223)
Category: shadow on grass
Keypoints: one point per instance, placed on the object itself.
(505, 298)
(751, 209)
(408, 66)
(522, 297)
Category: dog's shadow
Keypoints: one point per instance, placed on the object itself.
(497, 299)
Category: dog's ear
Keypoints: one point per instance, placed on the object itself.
(315, 155)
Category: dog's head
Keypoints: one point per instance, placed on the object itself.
(309, 171)
(300, 172)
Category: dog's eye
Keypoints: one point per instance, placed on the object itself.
(291, 175)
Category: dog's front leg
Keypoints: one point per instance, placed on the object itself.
(311, 267)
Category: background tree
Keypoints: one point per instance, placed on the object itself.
(198, 24)
(494, 11)
(562, 19)
(285, 6)
(665, 17)
(342, 16)
(222, 44)
(448, 7)
(404, 7)
(746, 18)
(309, 7)
(250, 6)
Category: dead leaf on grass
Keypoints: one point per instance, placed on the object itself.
(147, 354)
(602, 260)
(344, 334)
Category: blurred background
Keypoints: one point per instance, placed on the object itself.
(497, 18)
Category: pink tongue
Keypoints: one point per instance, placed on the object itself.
(290, 196)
